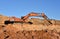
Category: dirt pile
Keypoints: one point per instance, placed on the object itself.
(13, 33)
(38, 30)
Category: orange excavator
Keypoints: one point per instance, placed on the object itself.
(24, 18)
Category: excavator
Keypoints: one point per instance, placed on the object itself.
(23, 19)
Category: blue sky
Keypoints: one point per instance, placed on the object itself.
(20, 8)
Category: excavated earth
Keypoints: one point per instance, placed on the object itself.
(40, 29)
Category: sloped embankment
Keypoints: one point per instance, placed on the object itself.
(12, 33)
(38, 30)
